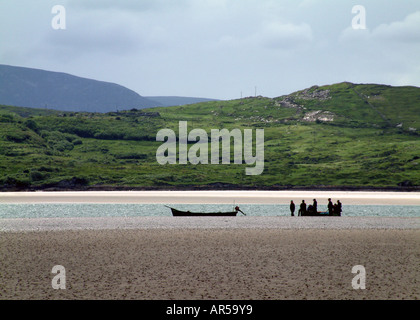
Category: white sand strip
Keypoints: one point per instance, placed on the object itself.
(210, 197)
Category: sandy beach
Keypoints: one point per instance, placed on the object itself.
(263, 264)
(228, 197)
(239, 258)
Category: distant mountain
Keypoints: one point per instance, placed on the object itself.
(35, 88)
(177, 101)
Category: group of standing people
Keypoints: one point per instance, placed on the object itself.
(333, 209)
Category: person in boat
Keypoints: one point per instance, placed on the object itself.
(292, 208)
(302, 210)
(310, 210)
(315, 205)
(237, 209)
(330, 207)
(335, 210)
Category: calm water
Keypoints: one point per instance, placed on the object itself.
(159, 210)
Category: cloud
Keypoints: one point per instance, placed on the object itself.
(388, 53)
(406, 31)
(108, 33)
(215, 47)
(128, 5)
(277, 35)
(271, 35)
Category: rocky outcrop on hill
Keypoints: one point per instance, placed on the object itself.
(319, 115)
(287, 102)
(314, 93)
(307, 94)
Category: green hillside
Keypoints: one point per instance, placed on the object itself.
(343, 135)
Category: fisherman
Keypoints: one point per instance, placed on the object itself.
(315, 205)
(302, 210)
(330, 207)
(310, 210)
(335, 212)
(339, 208)
(237, 209)
(292, 208)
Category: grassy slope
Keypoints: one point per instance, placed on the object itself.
(362, 147)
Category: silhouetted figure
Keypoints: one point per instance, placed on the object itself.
(302, 210)
(330, 207)
(310, 210)
(292, 208)
(338, 208)
(237, 209)
(335, 210)
(315, 205)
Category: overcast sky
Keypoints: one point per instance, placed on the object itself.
(217, 48)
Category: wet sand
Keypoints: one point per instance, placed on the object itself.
(216, 263)
(228, 197)
(187, 223)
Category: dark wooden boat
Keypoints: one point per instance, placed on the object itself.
(315, 214)
(319, 214)
(179, 213)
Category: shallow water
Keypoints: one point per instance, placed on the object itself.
(159, 210)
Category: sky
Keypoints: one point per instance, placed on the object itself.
(221, 49)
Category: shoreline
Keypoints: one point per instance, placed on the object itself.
(75, 186)
(212, 197)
